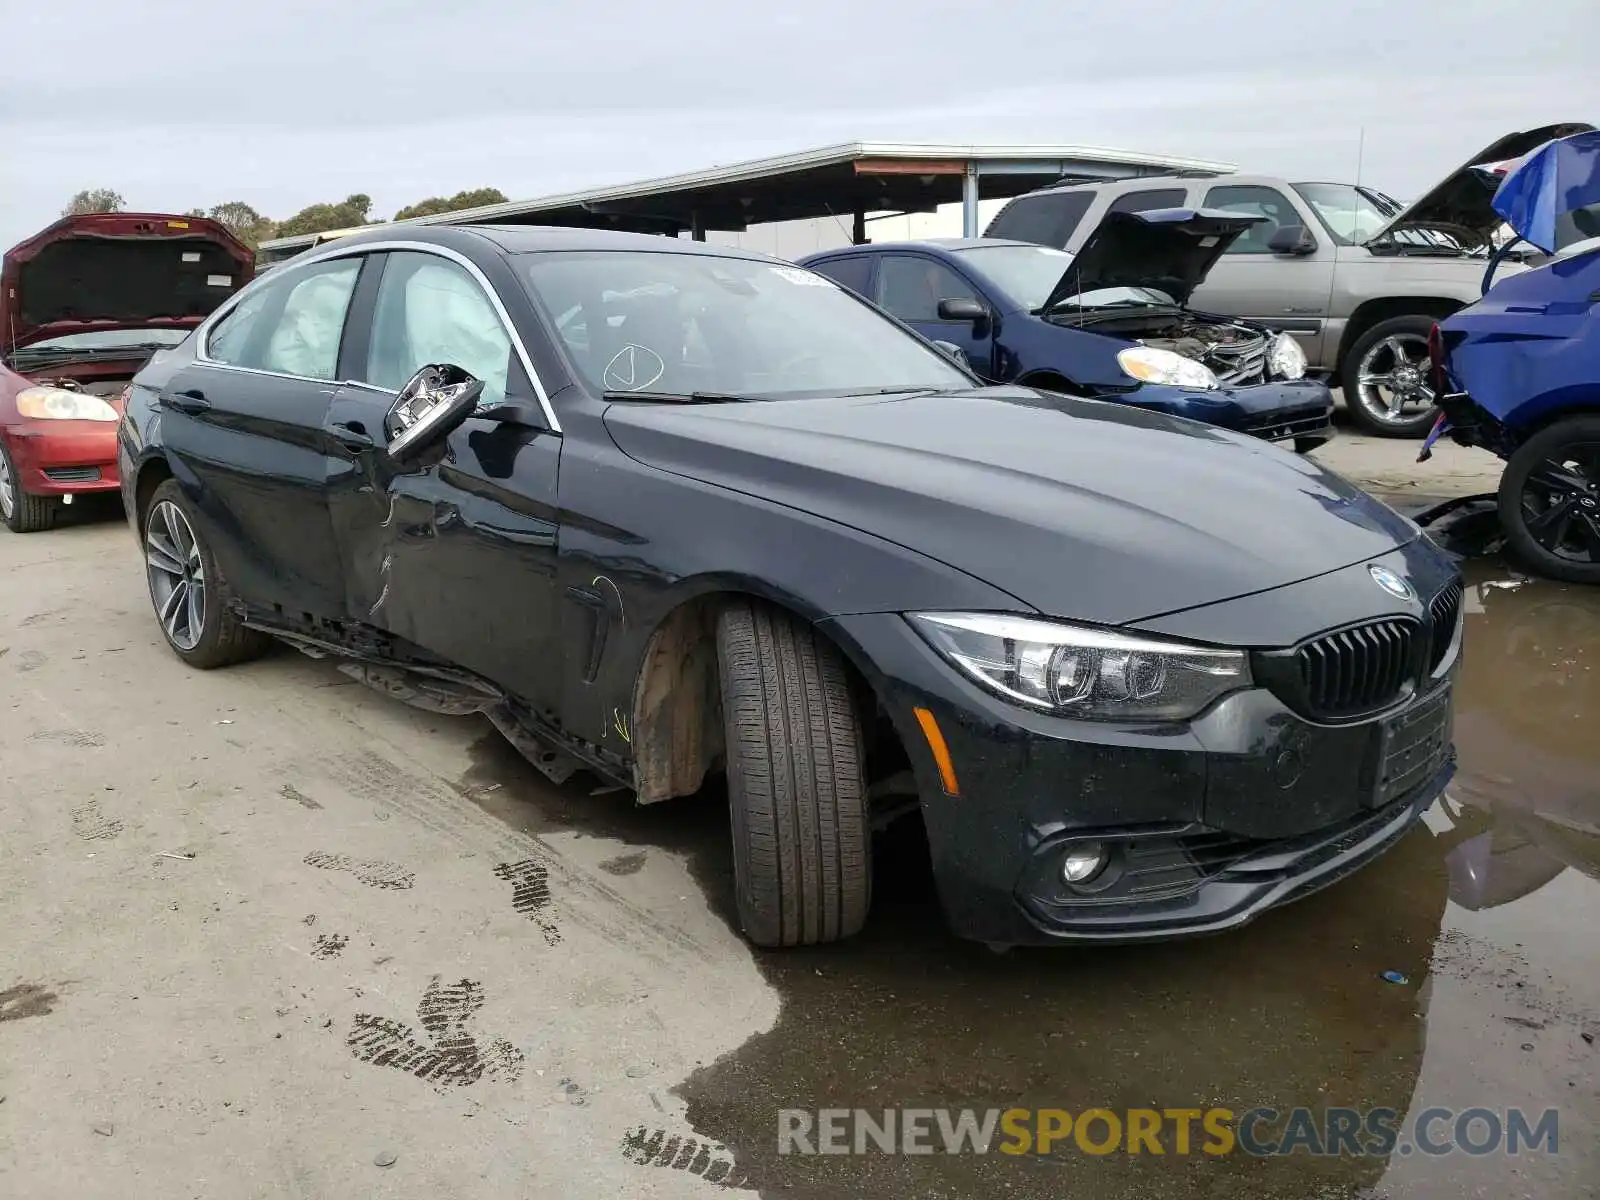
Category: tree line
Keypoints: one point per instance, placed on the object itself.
(252, 228)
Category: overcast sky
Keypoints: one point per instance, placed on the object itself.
(293, 102)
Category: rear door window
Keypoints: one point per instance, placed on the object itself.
(1046, 218)
(1257, 201)
(292, 325)
(853, 271)
(1150, 198)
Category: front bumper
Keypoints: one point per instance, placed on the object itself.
(62, 458)
(1212, 822)
(1300, 411)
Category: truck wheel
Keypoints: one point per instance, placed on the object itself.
(802, 861)
(187, 590)
(1385, 378)
(1550, 500)
(21, 512)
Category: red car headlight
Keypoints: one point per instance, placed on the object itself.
(61, 404)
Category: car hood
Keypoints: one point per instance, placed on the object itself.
(107, 271)
(1169, 249)
(1462, 203)
(1078, 508)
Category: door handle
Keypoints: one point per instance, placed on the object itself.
(191, 400)
(352, 435)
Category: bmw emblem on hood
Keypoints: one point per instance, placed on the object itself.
(1390, 582)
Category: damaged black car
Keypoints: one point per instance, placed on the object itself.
(662, 511)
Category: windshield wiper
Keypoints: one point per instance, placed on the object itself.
(86, 353)
(1059, 305)
(895, 391)
(677, 397)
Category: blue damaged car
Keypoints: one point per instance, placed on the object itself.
(1109, 322)
(1518, 373)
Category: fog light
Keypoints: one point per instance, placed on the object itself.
(1083, 862)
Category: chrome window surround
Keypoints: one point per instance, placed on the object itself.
(202, 332)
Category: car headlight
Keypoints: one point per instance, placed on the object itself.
(1149, 365)
(1285, 359)
(1076, 671)
(61, 404)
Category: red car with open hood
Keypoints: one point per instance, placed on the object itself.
(86, 303)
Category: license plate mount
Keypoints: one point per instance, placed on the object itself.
(1412, 746)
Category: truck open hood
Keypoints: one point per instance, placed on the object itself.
(1462, 203)
(107, 271)
(1169, 249)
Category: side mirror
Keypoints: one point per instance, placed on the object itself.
(952, 351)
(433, 402)
(963, 309)
(1292, 239)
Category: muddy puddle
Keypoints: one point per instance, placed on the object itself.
(1490, 912)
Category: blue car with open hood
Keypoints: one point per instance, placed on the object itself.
(1110, 321)
(1518, 373)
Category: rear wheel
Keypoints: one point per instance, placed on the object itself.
(21, 512)
(1550, 500)
(796, 790)
(1385, 378)
(187, 590)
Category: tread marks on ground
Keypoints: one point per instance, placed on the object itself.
(89, 823)
(447, 1052)
(530, 894)
(329, 945)
(657, 1148)
(435, 805)
(372, 872)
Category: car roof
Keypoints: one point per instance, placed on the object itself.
(531, 239)
(980, 243)
(1143, 182)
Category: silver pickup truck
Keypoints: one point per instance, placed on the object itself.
(1355, 276)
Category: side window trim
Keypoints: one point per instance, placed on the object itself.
(203, 333)
(358, 318)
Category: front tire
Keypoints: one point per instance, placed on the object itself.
(1385, 378)
(1550, 501)
(188, 592)
(797, 795)
(21, 512)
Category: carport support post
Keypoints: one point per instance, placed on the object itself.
(697, 228)
(969, 201)
(858, 227)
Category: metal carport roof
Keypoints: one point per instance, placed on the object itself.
(851, 179)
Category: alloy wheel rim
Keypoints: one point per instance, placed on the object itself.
(177, 575)
(1392, 379)
(1561, 502)
(7, 496)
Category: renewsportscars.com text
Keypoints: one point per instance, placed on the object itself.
(1260, 1132)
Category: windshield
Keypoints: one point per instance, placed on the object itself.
(1028, 274)
(110, 339)
(1350, 214)
(649, 322)
(1353, 214)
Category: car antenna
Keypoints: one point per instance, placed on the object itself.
(1361, 150)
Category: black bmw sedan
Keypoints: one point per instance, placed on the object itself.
(662, 510)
